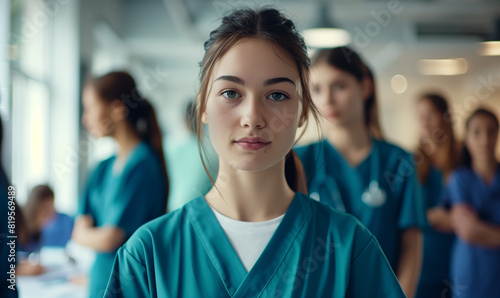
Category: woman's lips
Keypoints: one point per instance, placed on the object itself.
(332, 115)
(252, 144)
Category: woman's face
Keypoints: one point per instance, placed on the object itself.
(96, 116)
(481, 137)
(45, 212)
(253, 106)
(430, 119)
(338, 94)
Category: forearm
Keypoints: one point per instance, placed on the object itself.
(486, 235)
(102, 239)
(410, 261)
(440, 219)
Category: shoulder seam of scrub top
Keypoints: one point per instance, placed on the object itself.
(365, 247)
(129, 254)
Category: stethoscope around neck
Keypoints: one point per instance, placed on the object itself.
(373, 196)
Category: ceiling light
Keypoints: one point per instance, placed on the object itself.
(326, 37)
(326, 34)
(399, 84)
(442, 67)
(490, 48)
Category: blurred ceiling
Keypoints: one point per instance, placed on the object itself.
(172, 31)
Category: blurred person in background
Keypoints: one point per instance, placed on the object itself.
(188, 178)
(436, 157)
(357, 171)
(474, 193)
(127, 189)
(47, 226)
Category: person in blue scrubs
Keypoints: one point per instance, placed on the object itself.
(436, 157)
(125, 190)
(47, 227)
(355, 171)
(474, 192)
(253, 234)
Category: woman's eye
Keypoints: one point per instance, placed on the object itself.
(230, 94)
(277, 96)
(338, 87)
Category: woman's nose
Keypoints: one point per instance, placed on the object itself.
(252, 113)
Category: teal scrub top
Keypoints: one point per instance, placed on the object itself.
(435, 274)
(315, 252)
(126, 200)
(187, 175)
(338, 184)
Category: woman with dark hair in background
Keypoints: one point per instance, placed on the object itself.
(474, 192)
(46, 226)
(436, 157)
(37, 211)
(126, 190)
(359, 173)
(254, 234)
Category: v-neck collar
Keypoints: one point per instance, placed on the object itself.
(119, 169)
(346, 164)
(492, 183)
(233, 274)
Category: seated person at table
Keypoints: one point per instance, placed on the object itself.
(44, 226)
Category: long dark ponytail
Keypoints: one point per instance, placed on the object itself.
(140, 114)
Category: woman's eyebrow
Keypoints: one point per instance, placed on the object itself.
(233, 79)
(240, 81)
(277, 80)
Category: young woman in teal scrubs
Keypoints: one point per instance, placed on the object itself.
(436, 157)
(253, 234)
(126, 190)
(355, 171)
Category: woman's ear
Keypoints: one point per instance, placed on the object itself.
(118, 110)
(303, 118)
(204, 118)
(367, 85)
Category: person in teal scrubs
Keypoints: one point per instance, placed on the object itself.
(254, 234)
(126, 190)
(355, 171)
(188, 178)
(474, 193)
(436, 157)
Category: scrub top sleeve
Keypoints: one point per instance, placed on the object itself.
(445, 201)
(412, 213)
(128, 277)
(83, 202)
(139, 200)
(458, 189)
(84, 199)
(371, 275)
